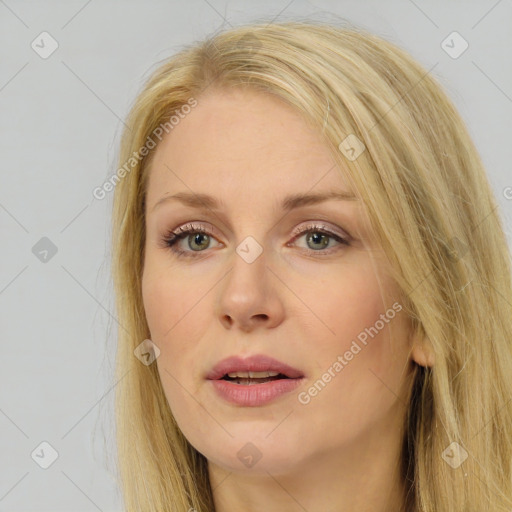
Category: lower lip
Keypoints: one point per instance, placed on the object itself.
(254, 394)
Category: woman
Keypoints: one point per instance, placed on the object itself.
(343, 342)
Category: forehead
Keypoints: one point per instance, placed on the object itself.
(242, 142)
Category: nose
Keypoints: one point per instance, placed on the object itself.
(250, 295)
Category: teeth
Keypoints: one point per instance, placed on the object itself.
(253, 375)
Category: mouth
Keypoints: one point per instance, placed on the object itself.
(256, 369)
(252, 378)
(254, 381)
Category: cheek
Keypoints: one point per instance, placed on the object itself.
(164, 303)
(362, 360)
(175, 314)
(168, 312)
(368, 327)
(156, 297)
(348, 304)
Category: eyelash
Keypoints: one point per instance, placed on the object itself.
(171, 238)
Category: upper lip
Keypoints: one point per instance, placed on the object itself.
(255, 363)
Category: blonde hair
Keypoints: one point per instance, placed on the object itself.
(432, 211)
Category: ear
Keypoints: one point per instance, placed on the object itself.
(422, 352)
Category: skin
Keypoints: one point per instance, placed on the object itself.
(339, 452)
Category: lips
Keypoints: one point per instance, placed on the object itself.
(268, 380)
(256, 363)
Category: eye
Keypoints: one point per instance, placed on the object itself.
(317, 238)
(196, 236)
(198, 239)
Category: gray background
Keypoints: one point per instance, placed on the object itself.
(61, 119)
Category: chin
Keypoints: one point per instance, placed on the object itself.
(254, 453)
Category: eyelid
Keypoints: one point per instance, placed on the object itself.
(192, 226)
(297, 231)
(320, 224)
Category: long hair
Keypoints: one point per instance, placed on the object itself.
(432, 211)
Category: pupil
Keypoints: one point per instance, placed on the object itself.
(197, 237)
(315, 237)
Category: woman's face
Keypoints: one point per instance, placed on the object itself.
(299, 281)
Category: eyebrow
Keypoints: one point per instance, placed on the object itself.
(289, 203)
